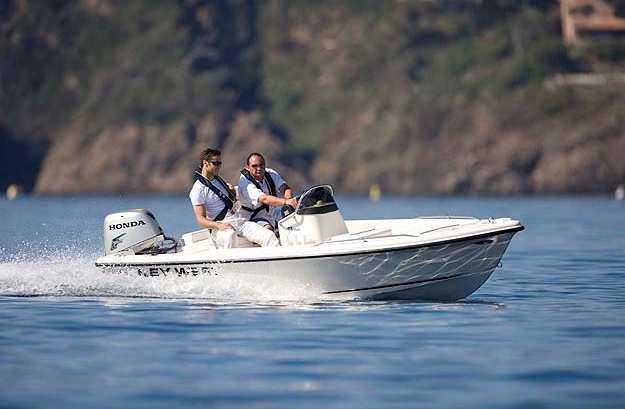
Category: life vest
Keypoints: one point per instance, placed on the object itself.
(272, 191)
(228, 199)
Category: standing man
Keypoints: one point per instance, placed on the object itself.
(258, 193)
(214, 206)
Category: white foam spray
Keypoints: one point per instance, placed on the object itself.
(69, 273)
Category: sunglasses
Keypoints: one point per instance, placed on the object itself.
(215, 162)
(256, 166)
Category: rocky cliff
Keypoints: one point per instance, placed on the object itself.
(419, 97)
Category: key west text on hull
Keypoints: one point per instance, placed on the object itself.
(426, 258)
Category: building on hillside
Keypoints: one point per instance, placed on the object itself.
(583, 18)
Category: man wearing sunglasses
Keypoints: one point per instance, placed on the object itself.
(259, 190)
(216, 208)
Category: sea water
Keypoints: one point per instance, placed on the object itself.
(546, 331)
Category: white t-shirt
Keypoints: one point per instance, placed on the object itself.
(249, 193)
(203, 195)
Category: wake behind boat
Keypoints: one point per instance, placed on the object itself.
(425, 258)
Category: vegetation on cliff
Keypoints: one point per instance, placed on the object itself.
(420, 97)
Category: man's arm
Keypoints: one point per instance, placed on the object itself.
(286, 191)
(279, 201)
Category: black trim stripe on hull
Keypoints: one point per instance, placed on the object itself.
(378, 287)
(314, 256)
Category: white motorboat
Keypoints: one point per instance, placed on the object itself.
(425, 258)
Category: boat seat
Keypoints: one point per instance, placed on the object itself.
(193, 238)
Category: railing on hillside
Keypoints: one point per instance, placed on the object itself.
(585, 80)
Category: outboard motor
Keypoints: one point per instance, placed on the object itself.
(316, 219)
(134, 230)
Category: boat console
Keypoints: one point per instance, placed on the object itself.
(315, 220)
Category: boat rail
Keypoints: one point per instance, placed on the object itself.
(448, 217)
(364, 239)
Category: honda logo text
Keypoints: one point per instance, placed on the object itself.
(126, 225)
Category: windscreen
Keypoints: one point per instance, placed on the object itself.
(317, 200)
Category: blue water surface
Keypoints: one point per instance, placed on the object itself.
(546, 331)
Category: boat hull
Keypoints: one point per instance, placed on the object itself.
(445, 271)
